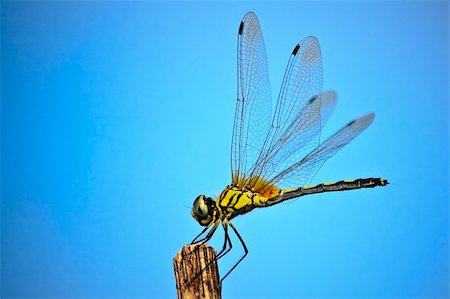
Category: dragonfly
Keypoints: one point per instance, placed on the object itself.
(274, 153)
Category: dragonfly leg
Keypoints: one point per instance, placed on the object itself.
(195, 239)
(224, 250)
(227, 240)
(203, 241)
(208, 236)
(245, 251)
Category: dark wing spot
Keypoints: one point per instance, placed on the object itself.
(311, 100)
(351, 123)
(241, 28)
(297, 47)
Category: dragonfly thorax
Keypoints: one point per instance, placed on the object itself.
(204, 210)
(234, 201)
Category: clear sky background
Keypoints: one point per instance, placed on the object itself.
(116, 115)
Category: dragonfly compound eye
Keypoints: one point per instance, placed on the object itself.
(202, 210)
(200, 207)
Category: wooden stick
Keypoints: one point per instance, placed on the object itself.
(191, 281)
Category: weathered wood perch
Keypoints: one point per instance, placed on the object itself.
(191, 281)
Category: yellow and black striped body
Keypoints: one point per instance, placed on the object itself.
(234, 201)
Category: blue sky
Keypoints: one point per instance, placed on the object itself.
(116, 115)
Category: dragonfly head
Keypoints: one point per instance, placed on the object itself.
(204, 210)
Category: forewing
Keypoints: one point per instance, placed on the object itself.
(304, 170)
(327, 105)
(253, 104)
(296, 124)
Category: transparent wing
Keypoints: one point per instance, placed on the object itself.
(296, 124)
(253, 105)
(327, 105)
(302, 172)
